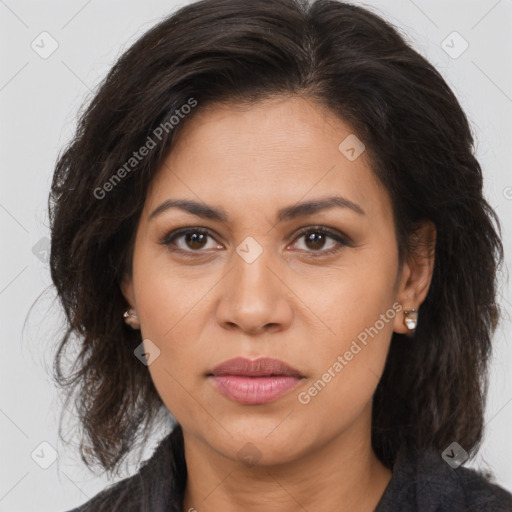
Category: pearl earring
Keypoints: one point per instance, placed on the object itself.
(411, 318)
(131, 318)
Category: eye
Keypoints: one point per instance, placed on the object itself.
(316, 237)
(193, 239)
(188, 240)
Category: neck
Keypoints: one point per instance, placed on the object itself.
(343, 475)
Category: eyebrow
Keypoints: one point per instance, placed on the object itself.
(284, 214)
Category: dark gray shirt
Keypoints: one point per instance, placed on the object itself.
(421, 482)
(425, 482)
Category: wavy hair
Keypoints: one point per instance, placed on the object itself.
(421, 148)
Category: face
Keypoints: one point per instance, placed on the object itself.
(316, 287)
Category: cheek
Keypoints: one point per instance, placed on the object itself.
(172, 305)
(349, 364)
(167, 295)
(178, 371)
(351, 298)
(356, 309)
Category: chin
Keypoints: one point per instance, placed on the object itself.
(259, 442)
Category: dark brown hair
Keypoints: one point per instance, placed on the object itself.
(420, 144)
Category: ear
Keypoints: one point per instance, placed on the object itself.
(127, 289)
(417, 271)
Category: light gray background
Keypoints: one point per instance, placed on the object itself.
(39, 99)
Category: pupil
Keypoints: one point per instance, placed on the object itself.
(196, 240)
(316, 238)
(193, 239)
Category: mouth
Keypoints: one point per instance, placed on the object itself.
(254, 382)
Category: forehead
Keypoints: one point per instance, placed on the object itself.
(262, 156)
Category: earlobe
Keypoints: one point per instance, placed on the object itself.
(130, 315)
(131, 318)
(416, 276)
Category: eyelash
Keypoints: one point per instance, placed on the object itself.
(170, 237)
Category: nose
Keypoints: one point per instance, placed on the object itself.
(254, 296)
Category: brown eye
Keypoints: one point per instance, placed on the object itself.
(195, 240)
(321, 241)
(189, 240)
(315, 240)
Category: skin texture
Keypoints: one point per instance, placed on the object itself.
(288, 304)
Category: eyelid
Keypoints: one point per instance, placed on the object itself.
(337, 236)
(170, 236)
(332, 232)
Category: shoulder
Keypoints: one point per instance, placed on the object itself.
(483, 494)
(115, 495)
(422, 481)
(157, 485)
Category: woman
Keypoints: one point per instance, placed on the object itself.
(269, 232)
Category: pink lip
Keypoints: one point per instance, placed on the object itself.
(254, 382)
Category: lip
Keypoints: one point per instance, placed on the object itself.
(262, 367)
(256, 381)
